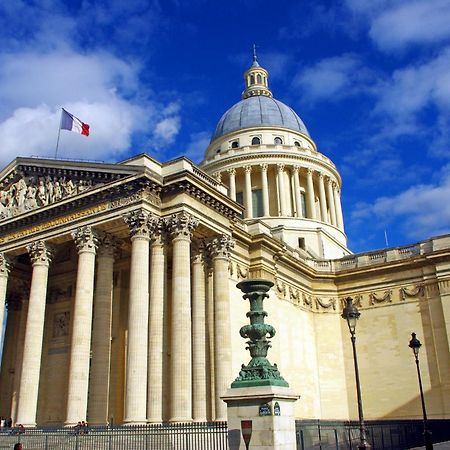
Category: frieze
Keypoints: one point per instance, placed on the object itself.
(416, 291)
(61, 322)
(56, 294)
(357, 301)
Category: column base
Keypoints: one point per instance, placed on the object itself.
(180, 419)
(134, 423)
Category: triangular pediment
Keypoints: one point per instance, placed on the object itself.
(27, 184)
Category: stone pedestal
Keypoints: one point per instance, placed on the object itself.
(271, 410)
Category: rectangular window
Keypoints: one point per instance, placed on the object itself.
(257, 203)
(240, 200)
(303, 198)
(301, 243)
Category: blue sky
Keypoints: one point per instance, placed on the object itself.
(371, 80)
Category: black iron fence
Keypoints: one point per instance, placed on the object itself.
(381, 434)
(167, 436)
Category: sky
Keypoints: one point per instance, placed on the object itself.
(370, 79)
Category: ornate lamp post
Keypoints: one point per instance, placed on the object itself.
(415, 345)
(351, 315)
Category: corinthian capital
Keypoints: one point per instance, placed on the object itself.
(40, 253)
(138, 222)
(107, 244)
(5, 265)
(86, 239)
(158, 230)
(221, 246)
(182, 225)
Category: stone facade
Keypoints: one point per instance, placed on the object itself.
(121, 296)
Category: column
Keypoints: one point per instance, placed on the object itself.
(135, 411)
(338, 206)
(297, 196)
(322, 198)
(77, 394)
(99, 380)
(331, 202)
(158, 295)
(182, 226)
(281, 190)
(265, 190)
(310, 195)
(232, 175)
(220, 248)
(199, 333)
(4, 271)
(248, 201)
(31, 365)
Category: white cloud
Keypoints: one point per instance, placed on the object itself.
(413, 88)
(332, 78)
(167, 129)
(97, 87)
(422, 210)
(411, 22)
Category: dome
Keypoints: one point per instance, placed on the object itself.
(256, 111)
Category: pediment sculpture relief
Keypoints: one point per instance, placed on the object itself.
(33, 192)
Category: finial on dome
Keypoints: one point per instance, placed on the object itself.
(256, 79)
(255, 58)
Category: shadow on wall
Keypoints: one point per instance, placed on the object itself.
(234, 439)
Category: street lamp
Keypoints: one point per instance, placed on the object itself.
(415, 345)
(351, 315)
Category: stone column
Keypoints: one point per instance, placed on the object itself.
(199, 398)
(182, 226)
(4, 271)
(298, 197)
(331, 202)
(158, 295)
(281, 190)
(220, 248)
(338, 206)
(135, 411)
(265, 190)
(99, 382)
(248, 201)
(77, 395)
(232, 175)
(31, 365)
(310, 195)
(322, 198)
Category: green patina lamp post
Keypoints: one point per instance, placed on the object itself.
(259, 371)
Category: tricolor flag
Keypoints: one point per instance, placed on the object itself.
(72, 123)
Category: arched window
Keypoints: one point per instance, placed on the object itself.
(256, 141)
(252, 79)
(235, 144)
(259, 78)
(297, 144)
(278, 141)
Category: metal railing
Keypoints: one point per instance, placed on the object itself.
(166, 436)
(381, 435)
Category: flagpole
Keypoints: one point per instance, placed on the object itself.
(59, 132)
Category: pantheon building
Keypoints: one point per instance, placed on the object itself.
(118, 283)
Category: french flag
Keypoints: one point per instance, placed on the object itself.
(72, 123)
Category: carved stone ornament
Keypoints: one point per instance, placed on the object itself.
(259, 371)
(325, 305)
(86, 239)
(182, 225)
(416, 291)
(61, 322)
(138, 223)
(386, 297)
(5, 265)
(33, 192)
(40, 253)
(158, 230)
(108, 244)
(220, 246)
(307, 300)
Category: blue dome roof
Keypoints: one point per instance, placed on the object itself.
(256, 111)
